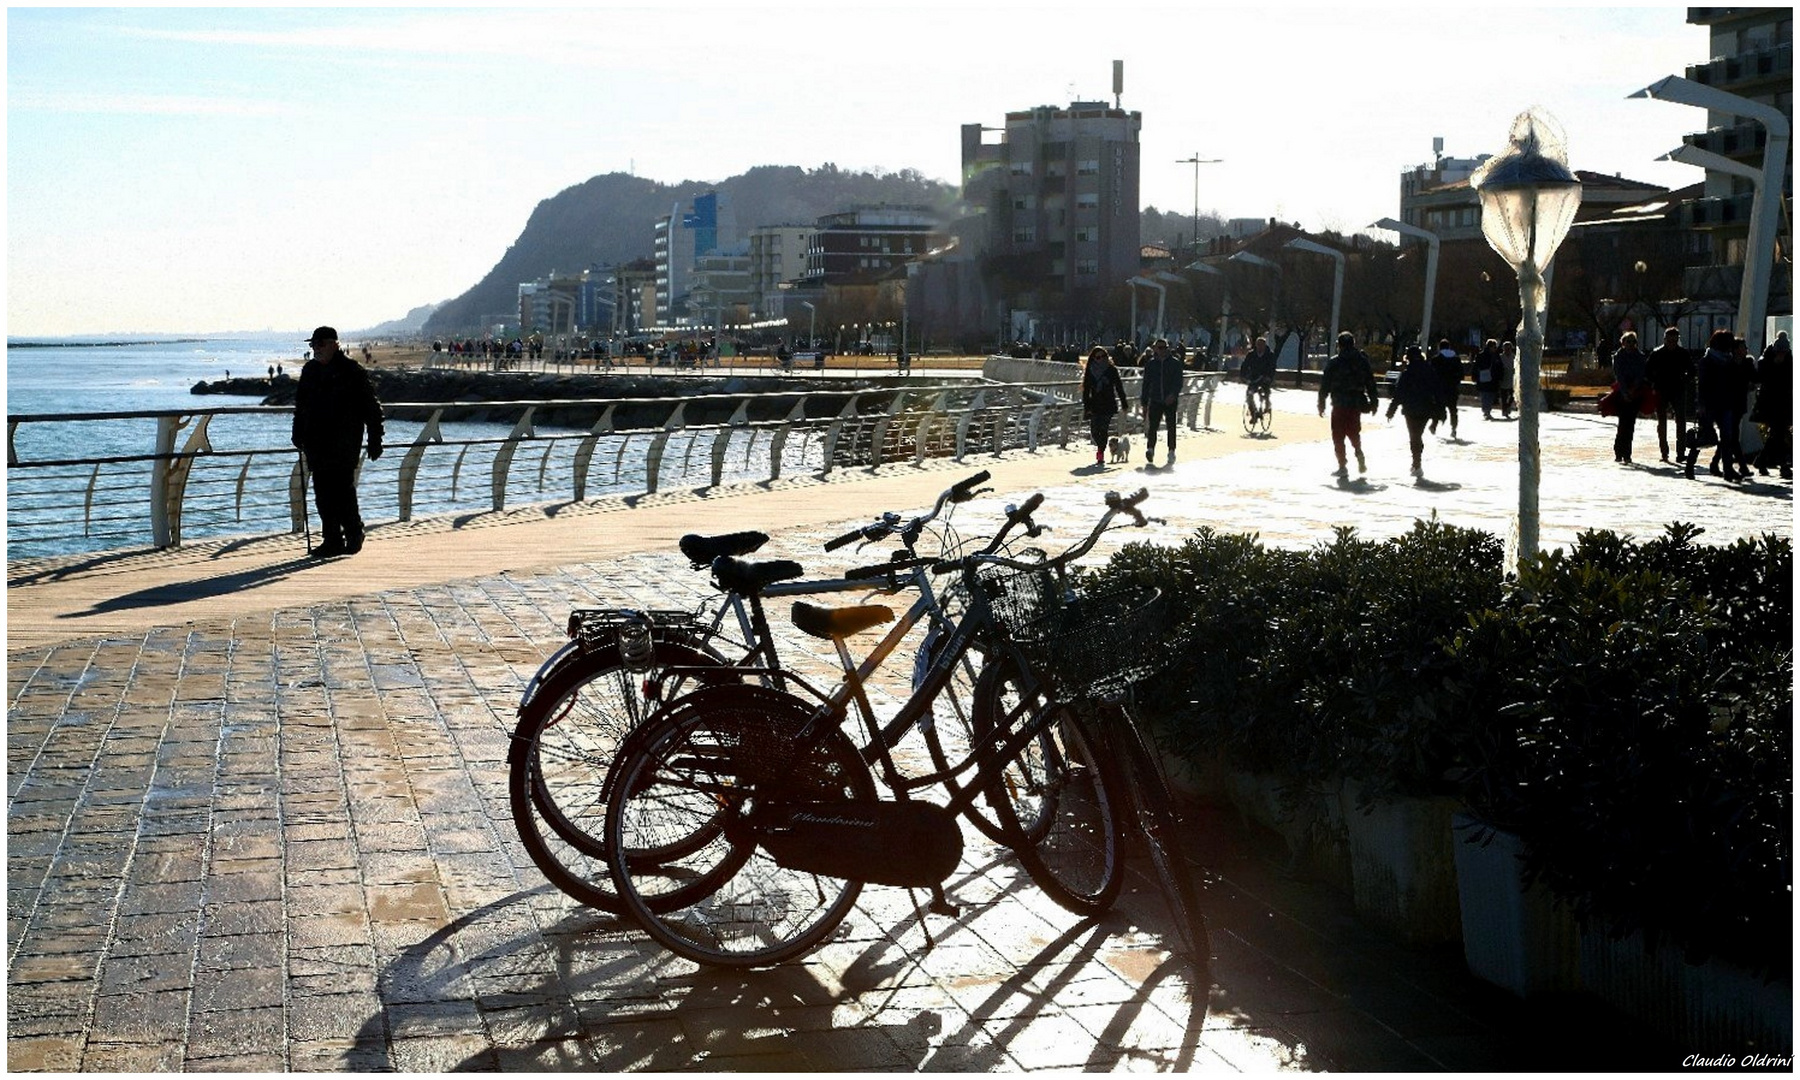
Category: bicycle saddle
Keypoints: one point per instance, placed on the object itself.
(702, 550)
(830, 622)
(749, 578)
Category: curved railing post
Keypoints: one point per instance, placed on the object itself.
(503, 459)
(297, 494)
(878, 435)
(922, 433)
(832, 433)
(168, 479)
(778, 442)
(653, 456)
(409, 464)
(976, 404)
(584, 453)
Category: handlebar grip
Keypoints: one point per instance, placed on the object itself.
(946, 566)
(850, 537)
(964, 491)
(1031, 505)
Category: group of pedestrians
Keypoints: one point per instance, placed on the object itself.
(1728, 396)
(1159, 392)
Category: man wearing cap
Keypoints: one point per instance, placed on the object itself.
(333, 405)
(1158, 394)
(1349, 382)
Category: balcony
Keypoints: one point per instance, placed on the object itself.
(1717, 213)
(1738, 140)
(1746, 70)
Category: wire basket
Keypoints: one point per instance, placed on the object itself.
(1016, 597)
(1099, 646)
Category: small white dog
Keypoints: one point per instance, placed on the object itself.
(1121, 448)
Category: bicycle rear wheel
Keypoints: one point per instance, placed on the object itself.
(1156, 817)
(562, 752)
(709, 765)
(1066, 820)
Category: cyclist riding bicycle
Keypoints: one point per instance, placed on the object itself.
(1259, 377)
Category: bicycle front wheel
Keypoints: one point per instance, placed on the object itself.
(1061, 801)
(562, 752)
(710, 765)
(1156, 816)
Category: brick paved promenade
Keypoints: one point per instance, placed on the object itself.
(257, 815)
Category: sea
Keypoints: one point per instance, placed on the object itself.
(62, 510)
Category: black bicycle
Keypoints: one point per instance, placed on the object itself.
(788, 807)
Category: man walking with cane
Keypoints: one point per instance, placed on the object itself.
(333, 406)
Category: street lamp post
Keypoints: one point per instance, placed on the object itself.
(812, 324)
(1528, 201)
(1196, 161)
(1300, 243)
(1431, 265)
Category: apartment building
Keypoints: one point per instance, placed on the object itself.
(777, 255)
(681, 238)
(1059, 192)
(1751, 55)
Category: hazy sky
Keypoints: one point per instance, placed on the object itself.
(195, 170)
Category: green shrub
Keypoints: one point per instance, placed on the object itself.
(1624, 707)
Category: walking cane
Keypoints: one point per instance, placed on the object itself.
(305, 517)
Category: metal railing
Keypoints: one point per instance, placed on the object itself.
(184, 485)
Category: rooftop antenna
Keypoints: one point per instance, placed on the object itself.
(1118, 82)
(1437, 149)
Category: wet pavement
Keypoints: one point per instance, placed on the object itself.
(278, 838)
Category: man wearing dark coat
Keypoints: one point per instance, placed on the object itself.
(333, 406)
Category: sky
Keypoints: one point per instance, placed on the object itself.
(198, 170)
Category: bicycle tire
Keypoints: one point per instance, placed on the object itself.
(1074, 853)
(1157, 819)
(563, 748)
(1003, 700)
(949, 728)
(731, 749)
(1257, 413)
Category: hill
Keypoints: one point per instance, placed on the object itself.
(611, 219)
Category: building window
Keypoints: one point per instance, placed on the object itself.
(1025, 202)
(1087, 235)
(1020, 168)
(1025, 234)
(1088, 201)
(1058, 268)
(1091, 167)
(1087, 266)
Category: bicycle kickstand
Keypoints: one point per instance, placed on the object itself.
(938, 905)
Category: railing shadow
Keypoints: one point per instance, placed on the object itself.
(205, 588)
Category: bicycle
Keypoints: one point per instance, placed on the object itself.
(788, 807)
(620, 664)
(1258, 410)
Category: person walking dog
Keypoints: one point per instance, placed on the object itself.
(333, 406)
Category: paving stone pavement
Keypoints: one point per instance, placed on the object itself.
(281, 841)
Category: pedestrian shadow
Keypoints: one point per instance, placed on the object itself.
(1358, 486)
(182, 592)
(1092, 468)
(1432, 485)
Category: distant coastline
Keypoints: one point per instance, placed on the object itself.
(101, 344)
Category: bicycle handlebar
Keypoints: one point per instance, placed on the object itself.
(1116, 504)
(960, 492)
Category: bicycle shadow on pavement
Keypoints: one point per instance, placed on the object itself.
(198, 589)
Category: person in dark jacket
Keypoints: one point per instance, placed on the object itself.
(1629, 367)
(1448, 366)
(1486, 369)
(333, 406)
(1102, 397)
(1348, 381)
(1670, 370)
(1258, 371)
(1775, 407)
(1160, 392)
(1722, 389)
(1419, 394)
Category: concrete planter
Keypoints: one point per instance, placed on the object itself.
(1710, 1008)
(1513, 936)
(1310, 823)
(1402, 866)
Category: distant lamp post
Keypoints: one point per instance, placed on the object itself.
(1431, 266)
(1196, 161)
(1528, 201)
(1162, 296)
(812, 324)
(1300, 243)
